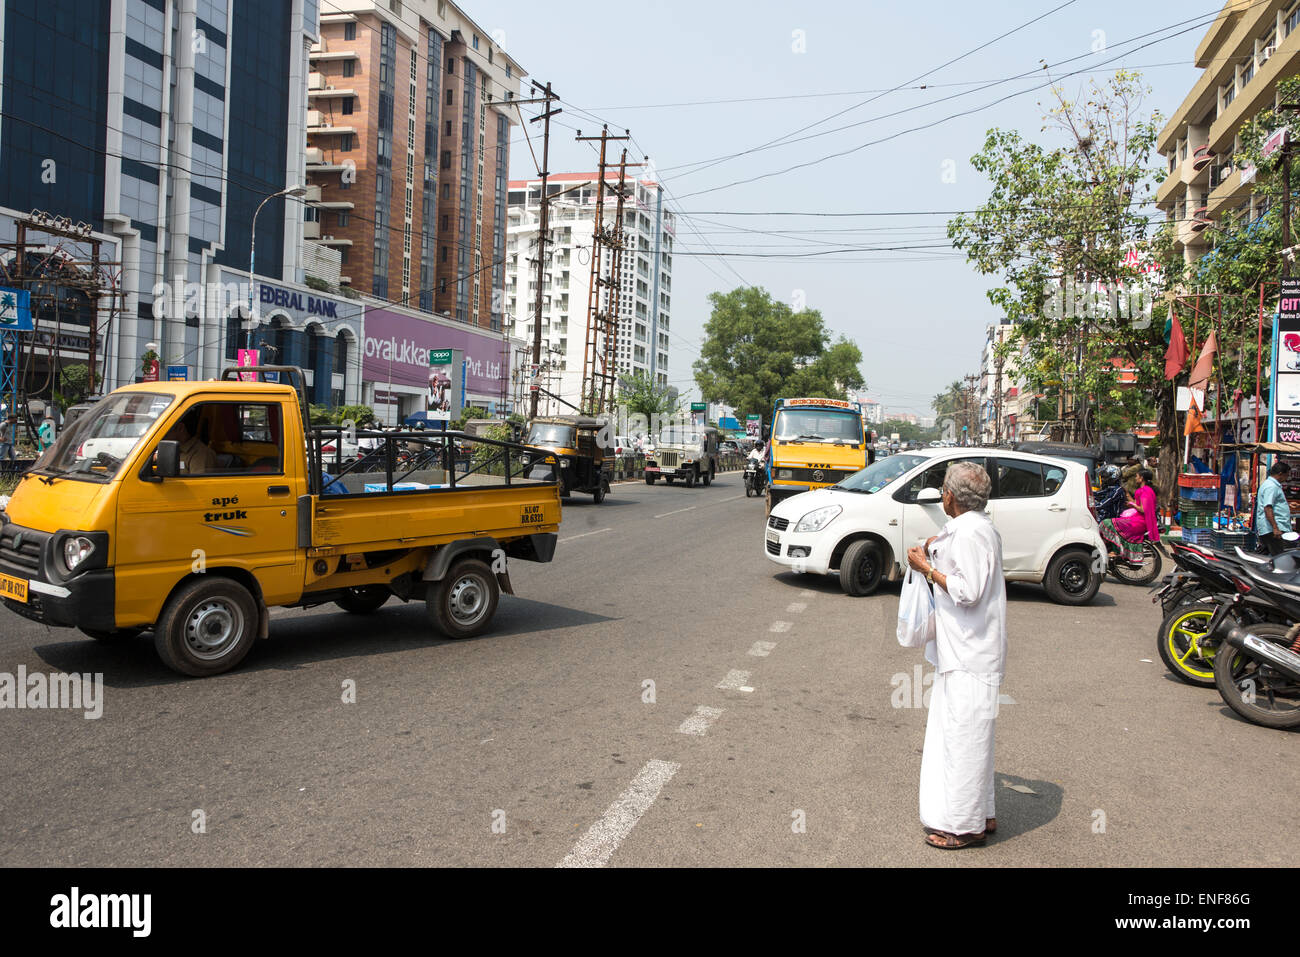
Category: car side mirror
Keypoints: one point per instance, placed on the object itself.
(929, 496)
(166, 461)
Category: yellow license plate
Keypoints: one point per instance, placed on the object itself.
(15, 588)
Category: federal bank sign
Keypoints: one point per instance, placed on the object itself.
(292, 299)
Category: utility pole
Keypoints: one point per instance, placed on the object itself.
(969, 397)
(548, 97)
(600, 357)
(997, 396)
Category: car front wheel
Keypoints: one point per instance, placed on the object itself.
(861, 568)
(1071, 579)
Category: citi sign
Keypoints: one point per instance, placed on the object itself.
(294, 300)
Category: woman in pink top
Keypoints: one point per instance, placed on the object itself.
(1137, 524)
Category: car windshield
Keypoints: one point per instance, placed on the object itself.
(809, 425)
(880, 473)
(549, 434)
(679, 437)
(95, 446)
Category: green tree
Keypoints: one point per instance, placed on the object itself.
(74, 384)
(1068, 215)
(639, 395)
(949, 401)
(907, 431)
(758, 349)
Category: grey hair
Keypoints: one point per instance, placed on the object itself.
(969, 484)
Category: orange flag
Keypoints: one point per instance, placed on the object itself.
(1193, 420)
(1176, 354)
(1204, 365)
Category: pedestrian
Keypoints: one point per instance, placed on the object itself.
(8, 434)
(964, 564)
(1130, 474)
(1272, 513)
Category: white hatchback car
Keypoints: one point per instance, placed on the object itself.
(861, 528)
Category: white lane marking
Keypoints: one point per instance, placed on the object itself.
(597, 846)
(730, 498)
(699, 722)
(677, 511)
(779, 626)
(796, 606)
(583, 535)
(735, 681)
(761, 649)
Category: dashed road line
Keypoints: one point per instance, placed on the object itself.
(572, 538)
(807, 593)
(597, 846)
(796, 606)
(735, 681)
(761, 649)
(677, 511)
(779, 626)
(698, 723)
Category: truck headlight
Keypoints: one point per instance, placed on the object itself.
(76, 550)
(818, 519)
(564, 463)
(785, 474)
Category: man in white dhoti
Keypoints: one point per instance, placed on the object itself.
(964, 564)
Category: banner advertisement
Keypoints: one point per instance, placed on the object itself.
(1286, 364)
(754, 426)
(247, 359)
(151, 371)
(446, 384)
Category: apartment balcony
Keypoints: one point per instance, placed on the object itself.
(334, 204)
(1202, 158)
(326, 92)
(320, 53)
(331, 240)
(310, 229)
(1229, 193)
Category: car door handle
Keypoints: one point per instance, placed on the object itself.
(1056, 508)
(277, 490)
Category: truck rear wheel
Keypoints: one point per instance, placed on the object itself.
(463, 603)
(363, 599)
(207, 627)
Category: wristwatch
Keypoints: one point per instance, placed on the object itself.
(929, 576)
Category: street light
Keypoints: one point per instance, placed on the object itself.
(252, 254)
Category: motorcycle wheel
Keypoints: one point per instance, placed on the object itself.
(1255, 690)
(1145, 575)
(1185, 647)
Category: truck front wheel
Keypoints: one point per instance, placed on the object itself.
(207, 627)
(463, 603)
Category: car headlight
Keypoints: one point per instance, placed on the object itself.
(785, 474)
(818, 519)
(76, 550)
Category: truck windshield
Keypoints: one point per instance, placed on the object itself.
(547, 434)
(679, 437)
(94, 447)
(881, 473)
(810, 425)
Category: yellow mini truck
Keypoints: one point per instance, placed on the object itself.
(191, 508)
(815, 443)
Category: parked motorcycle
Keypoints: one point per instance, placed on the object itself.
(1189, 598)
(1257, 667)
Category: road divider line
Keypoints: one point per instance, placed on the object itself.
(597, 846)
(779, 626)
(761, 649)
(698, 723)
(735, 681)
(796, 606)
(677, 511)
(573, 538)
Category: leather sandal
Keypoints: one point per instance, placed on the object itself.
(955, 842)
(991, 826)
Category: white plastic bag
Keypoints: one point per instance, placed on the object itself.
(916, 624)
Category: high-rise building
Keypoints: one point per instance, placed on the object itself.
(162, 126)
(645, 299)
(408, 138)
(1248, 48)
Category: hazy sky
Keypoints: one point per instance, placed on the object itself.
(918, 314)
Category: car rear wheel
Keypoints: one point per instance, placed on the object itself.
(1070, 578)
(207, 627)
(861, 568)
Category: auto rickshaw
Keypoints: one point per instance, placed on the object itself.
(584, 466)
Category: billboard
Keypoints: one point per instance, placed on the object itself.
(754, 426)
(446, 384)
(397, 350)
(1286, 364)
(15, 310)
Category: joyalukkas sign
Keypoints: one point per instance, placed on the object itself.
(397, 348)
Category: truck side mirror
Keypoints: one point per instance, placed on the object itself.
(166, 462)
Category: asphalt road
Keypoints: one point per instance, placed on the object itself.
(542, 743)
